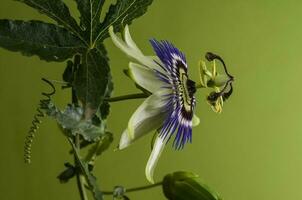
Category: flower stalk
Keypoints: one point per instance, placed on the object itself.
(80, 181)
(127, 97)
(146, 187)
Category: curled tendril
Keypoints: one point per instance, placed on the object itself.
(43, 104)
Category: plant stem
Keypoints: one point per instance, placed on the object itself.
(136, 96)
(80, 180)
(136, 188)
(127, 97)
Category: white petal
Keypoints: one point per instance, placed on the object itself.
(149, 109)
(154, 157)
(159, 64)
(125, 140)
(131, 49)
(195, 121)
(145, 77)
(148, 116)
(117, 41)
(129, 40)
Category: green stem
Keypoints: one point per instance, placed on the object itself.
(136, 96)
(136, 188)
(80, 180)
(127, 97)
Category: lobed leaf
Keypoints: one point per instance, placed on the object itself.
(92, 80)
(58, 11)
(121, 13)
(89, 131)
(48, 41)
(90, 11)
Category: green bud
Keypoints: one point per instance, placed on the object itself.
(185, 186)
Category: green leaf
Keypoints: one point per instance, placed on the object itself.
(48, 41)
(69, 119)
(121, 13)
(104, 109)
(71, 122)
(89, 131)
(58, 11)
(104, 144)
(98, 148)
(68, 72)
(92, 80)
(90, 11)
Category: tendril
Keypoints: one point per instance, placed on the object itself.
(43, 105)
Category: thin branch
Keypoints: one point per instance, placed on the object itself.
(136, 188)
(127, 97)
(80, 181)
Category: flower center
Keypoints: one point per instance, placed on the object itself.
(187, 89)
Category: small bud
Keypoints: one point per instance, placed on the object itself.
(67, 174)
(119, 192)
(184, 185)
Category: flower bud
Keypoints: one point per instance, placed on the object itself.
(184, 186)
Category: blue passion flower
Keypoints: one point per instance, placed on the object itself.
(170, 107)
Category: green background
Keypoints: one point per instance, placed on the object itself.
(250, 151)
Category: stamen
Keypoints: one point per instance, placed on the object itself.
(211, 57)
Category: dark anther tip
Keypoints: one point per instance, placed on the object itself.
(227, 94)
(211, 56)
(213, 96)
